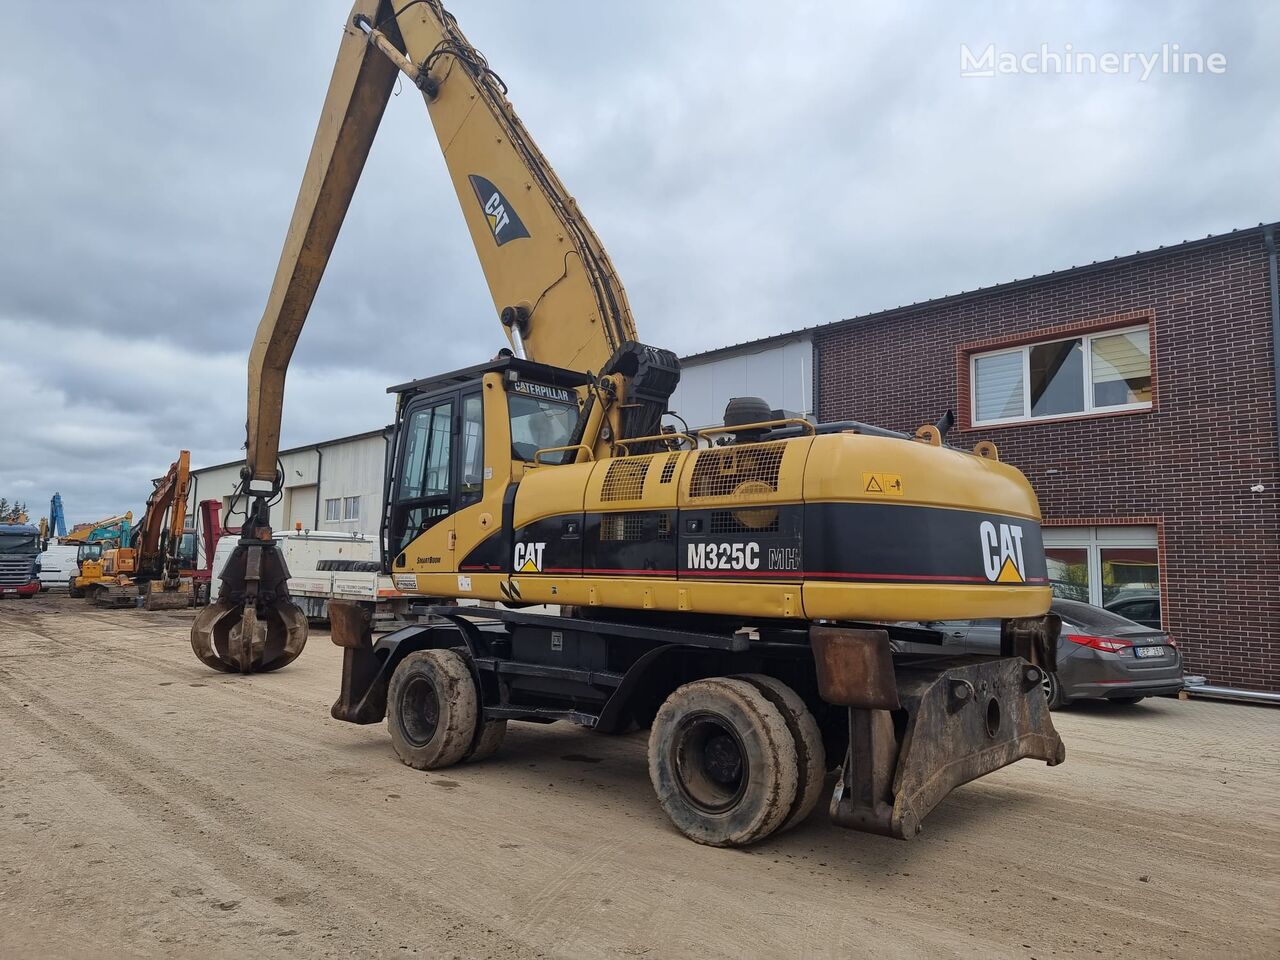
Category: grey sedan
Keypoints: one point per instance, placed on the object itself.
(1101, 655)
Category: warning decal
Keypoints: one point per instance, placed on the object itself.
(882, 484)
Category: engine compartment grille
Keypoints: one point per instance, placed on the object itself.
(747, 472)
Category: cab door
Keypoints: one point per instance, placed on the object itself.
(422, 496)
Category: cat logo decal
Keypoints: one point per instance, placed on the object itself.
(1002, 552)
(504, 223)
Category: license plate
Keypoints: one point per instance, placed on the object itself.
(8, 593)
(1145, 652)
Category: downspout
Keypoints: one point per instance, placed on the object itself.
(1269, 235)
(319, 465)
(815, 373)
(193, 498)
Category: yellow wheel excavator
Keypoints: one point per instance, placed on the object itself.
(737, 590)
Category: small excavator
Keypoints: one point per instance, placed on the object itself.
(92, 540)
(735, 590)
(155, 560)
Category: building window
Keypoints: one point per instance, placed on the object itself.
(1061, 378)
(333, 509)
(1114, 567)
(350, 508)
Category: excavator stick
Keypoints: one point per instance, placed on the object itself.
(254, 627)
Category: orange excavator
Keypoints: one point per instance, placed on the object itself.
(158, 561)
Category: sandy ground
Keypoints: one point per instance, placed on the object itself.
(151, 808)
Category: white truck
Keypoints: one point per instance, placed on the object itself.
(58, 565)
(326, 566)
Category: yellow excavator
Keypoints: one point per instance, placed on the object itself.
(157, 557)
(736, 590)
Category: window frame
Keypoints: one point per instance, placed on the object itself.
(465, 497)
(1142, 533)
(346, 502)
(334, 515)
(1090, 409)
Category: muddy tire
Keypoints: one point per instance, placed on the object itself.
(723, 762)
(492, 733)
(74, 592)
(432, 709)
(811, 755)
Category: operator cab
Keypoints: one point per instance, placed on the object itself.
(89, 551)
(187, 550)
(438, 463)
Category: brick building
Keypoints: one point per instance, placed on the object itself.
(1138, 395)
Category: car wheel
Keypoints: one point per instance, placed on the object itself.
(432, 709)
(723, 762)
(1052, 688)
(1127, 701)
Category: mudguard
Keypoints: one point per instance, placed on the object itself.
(367, 666)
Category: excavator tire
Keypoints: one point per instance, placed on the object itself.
(492, 733)
(432, 709)
(811, 755)
(722, 761)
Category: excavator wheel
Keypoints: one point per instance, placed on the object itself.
(811, 755)
(433, 710)
(234, 638)
(722, 761)
(488, 740)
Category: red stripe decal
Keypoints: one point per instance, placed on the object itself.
(785, 576)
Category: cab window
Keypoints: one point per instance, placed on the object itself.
(425, 477)
(187, 549)
(426, 456)
(472, 479)
(538, 424)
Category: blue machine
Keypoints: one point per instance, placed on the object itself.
(57, 519)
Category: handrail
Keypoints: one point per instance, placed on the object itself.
(656, 437)
(762, 425)
(537, 457)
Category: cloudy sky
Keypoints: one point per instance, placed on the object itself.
(752, 167)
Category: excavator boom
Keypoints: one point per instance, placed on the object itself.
(553, 286)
